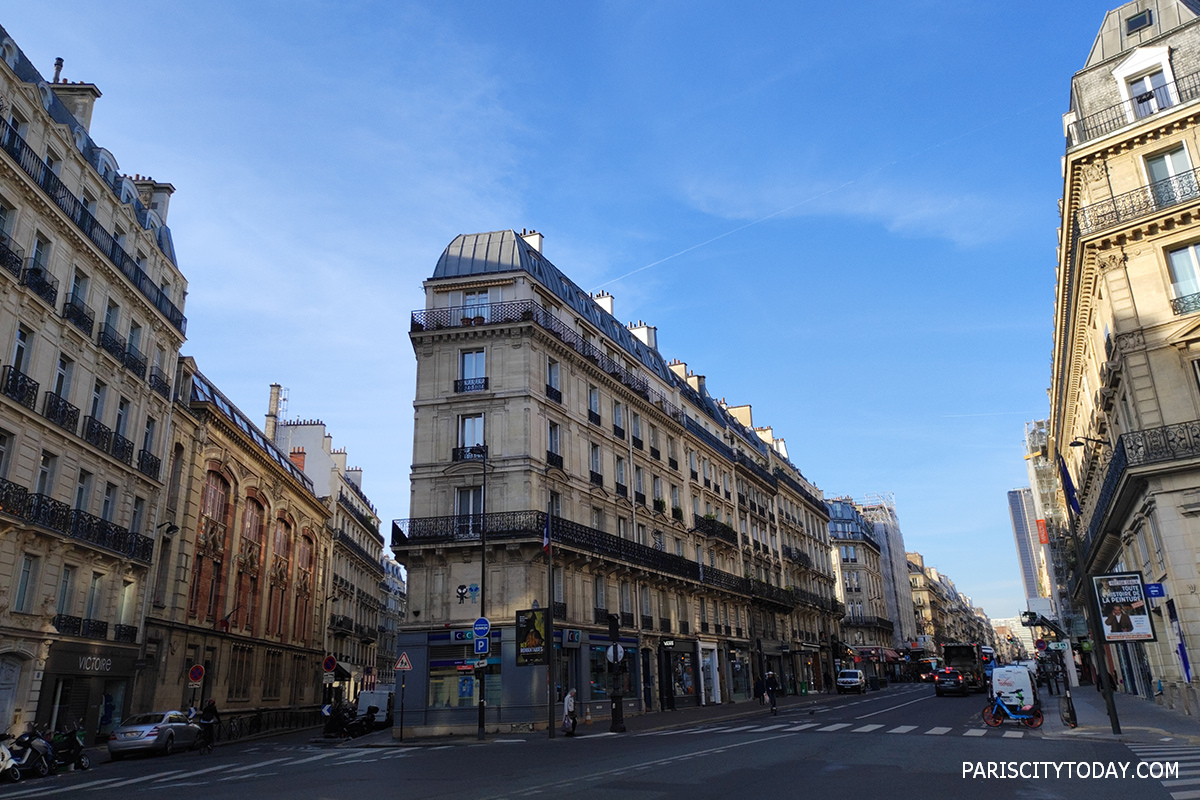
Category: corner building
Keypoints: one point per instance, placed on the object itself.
(1126, 358)
(91, 322)
(667, 508)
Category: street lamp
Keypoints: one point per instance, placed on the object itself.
(480, 451)
(325, 642)
(1079, 440)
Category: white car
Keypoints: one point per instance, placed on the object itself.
(851, 680)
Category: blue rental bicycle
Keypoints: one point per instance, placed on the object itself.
(995, 714)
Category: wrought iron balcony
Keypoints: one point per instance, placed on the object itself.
(159, 382)
(344, 539)
(79, 314)
(340, 622)
(470, 385)
(94, 629)
(593, 417)
(149, 464)
(639, 498)
(647, 622)
(366, 520)
(664, 624)
(677, 513)
(37, 169)
(14, 499)
(673, 463)
(704, 626)
(618, 432)
(1147, 104)
(1176, 190)
(622, 490)
(125, 633)
(19, 387)
(554, 459)
(694, 475)
(637, 442)
(626, 619)
(112, 342)
(60, 412)
(600, 616)
(553, 393)
(40, 281)
(66, 624)
(685, 627)
(660, 505)
(655, 453)
(472, 453)
(596, 478)
(134, 361)
(122, 448)
(716, 530)
(560, 610)
(12, 257)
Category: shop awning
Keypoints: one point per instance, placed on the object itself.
(892, 655)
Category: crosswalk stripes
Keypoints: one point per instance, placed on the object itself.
(866, 729)
(837, 726)
(1014, 734)
(938, 731)
(903, 729)
(803, 727)
(976, 732)
(1186, 756)
(847, 727)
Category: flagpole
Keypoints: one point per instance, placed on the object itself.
(550, 660)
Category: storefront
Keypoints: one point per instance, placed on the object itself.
(710, 674)
(88, 683)
(739, 673)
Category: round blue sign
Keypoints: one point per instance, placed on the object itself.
(482, 627)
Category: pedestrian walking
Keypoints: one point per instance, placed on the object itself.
(828, 681)
(210, 718)
(772, 685)
(569, 719)
(760, 690)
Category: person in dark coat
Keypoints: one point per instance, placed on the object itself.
(759, 690)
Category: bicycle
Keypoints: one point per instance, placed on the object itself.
(994, 714)
(205, 742)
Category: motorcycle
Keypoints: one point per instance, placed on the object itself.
(32, 753)
(8, 765)
(67, 749)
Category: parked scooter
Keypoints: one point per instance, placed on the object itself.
(8, 765)
(32, 753)
(67, 749)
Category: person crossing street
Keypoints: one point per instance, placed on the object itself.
(772, 685)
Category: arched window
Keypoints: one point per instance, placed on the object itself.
(211, 541)
(304, 571)
(249, 562)
(281, 563)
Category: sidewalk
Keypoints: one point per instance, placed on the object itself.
(1141, 720)
(635, 723)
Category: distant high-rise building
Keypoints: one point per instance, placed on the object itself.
(1024, 524)
(880, 510)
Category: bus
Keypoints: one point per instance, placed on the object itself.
(927, 668)
(989, 660)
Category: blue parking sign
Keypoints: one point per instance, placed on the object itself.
(481, 646)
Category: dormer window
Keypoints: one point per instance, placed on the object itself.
(1138, 22)
(1150, 94)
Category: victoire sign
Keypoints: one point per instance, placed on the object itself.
(95, 664)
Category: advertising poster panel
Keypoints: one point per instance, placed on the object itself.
(531, 637)
(1124, 613)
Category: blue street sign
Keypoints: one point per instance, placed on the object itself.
(481, 646)
(1155, 590)
(482, 627)
(326, 710)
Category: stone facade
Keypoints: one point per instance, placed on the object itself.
(240, 583)
(91, 321)
(670, 511)
(1126, 358)
(867, 628)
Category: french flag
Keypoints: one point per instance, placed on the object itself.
(546, 536)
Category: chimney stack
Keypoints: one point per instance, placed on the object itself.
(604, 300)
(647, 334)
(533, 239)
(297, 457)
(79, 98)
(154, 195)
(58, 65)
(273, 413)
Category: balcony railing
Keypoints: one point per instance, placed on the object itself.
(626, 619)
(159, 382)
(685, 627)
(79, 314)
(14, 498)
(865, 621)
(60, 412)
(655, 453)
(112, 342)
(134, 361)
(560, 610)
(677, 513)
(122, 448)
(596, 478)
(40, 282)
(647, 622)
(1137, 108)
(472, 453)
(622, 490)
(470, 385)
(94, 629)
(716, 530)
(660, 505)
(554, 393)
(341, 622)
(664, 624)
(37, 169)
(554, 459)
(344, 539)
(149, 464)
(12, 258)
(673, 463)
(367, 521)
(1173, 191)
(637, 442)
(66, 624)
(593, 417)
(600, 616)
(19, 387)
(618, 431)
(125, 633)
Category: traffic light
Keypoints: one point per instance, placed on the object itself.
(1028, 617)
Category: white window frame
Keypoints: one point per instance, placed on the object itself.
(1144, 61)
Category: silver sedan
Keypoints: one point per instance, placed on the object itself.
(159, 731)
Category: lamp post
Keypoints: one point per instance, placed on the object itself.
(1079, 440)
(325, 642)
(480, 451)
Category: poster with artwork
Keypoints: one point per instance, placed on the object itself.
(1124, 613)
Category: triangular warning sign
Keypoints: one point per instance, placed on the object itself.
(403, 664)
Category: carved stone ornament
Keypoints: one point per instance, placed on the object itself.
(1094, 172)
(1130, 341)
(1111, 259)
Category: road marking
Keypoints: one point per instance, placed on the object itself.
(770, 728)
(247, 777)
(735, 730)
(837, 726)
(194, 773)
(1014, 734)
(258, 764)
(41, 790)
(155, 777)
(866, 729)
(976, 732)
(1184, 782)
(903, 729)
(936, 731)
(893, 708)
(442, 747)
(706, 730)
(313, 758)
(801, 727)
(1192, 795)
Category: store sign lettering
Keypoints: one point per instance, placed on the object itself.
(95, 664)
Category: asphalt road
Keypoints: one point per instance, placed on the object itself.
(900, 740)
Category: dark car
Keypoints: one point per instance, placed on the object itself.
(950, 680)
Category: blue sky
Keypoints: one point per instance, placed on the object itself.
(873, 186)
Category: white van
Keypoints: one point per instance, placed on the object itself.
(376, 698)
(1008, 681)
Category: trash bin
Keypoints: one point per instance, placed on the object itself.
(872, 683)
(803, 687)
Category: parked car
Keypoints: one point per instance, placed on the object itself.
(950, 680)
(159, 732)
(851, 680)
